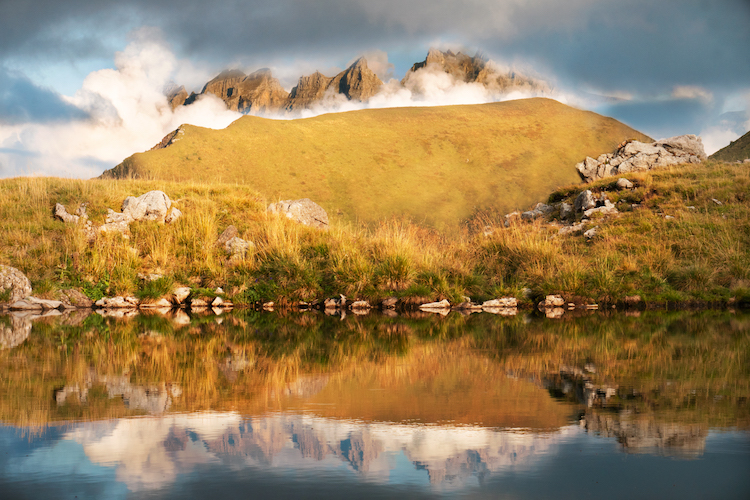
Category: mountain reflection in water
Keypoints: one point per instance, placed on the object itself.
(426, 405)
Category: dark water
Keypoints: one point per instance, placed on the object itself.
(303, 405)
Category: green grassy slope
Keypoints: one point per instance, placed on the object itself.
(435, 165)
(736, 150)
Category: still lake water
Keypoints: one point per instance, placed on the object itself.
(303, 405)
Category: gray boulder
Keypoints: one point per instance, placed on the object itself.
(305, 211)
(153, 205)
(13, 280)
(623, 183)
(585, 201)
(635, 156)
(567, 211)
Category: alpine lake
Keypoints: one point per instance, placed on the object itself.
(246, 404)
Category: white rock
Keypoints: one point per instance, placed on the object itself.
(443, 304)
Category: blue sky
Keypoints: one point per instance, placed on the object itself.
(666, 68)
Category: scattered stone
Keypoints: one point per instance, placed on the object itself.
(539, 210)
(443, 304)
(237, 248)
(716, 201)
(501, 302)
(172, 216)
(552, 301)
(467, 305)
(117, 303)
(592, 307)
(335, 303)
(623, 183)
(151, 206)
(632, 156)
(72, 299)
(34, 304)
(180, 295)
(305, 211)
(567, 211)
(161, 303)
(268, 306)
(632, 300)
(585, 201)
(360, 304)
(572, 229)
(199, 303)
(608, 208)
(389, 303)
(62, 214)
(512, 217)
(229, 233)
(13, 280)
(669, 217)
(591, 233)
(150, 276)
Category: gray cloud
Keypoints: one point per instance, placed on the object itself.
(635, 43)
(23, 102)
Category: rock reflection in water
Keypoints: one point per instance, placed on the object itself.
(150, 452)
(154, 398)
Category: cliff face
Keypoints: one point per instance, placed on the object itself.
(477, 69)
(357, 82)
(258, 91)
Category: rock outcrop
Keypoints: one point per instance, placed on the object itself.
(176, 96)
(633, 156)
(476, 69)
(305, 211)
(257, 92)
(14, 284)
(357, 83)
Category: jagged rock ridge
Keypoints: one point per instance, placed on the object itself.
(477, 69)
(260, 92)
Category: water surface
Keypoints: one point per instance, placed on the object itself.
(304, 405)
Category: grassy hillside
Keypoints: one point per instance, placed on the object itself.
(738, 150)
(436, 165)
(671, 243)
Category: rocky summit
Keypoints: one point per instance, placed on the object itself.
(476, 69)
(256, 92)
(357, 82)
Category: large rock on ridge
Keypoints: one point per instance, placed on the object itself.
(633, 156)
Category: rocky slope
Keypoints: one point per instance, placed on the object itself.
(738, 150)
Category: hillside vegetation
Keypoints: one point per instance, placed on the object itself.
(681, 235)
(738, 150)
(437, 166)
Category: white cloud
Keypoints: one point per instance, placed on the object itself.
(127, 113)
(691, 92)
